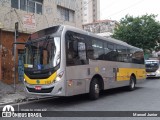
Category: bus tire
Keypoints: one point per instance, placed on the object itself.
(132, 83)
(94, 89)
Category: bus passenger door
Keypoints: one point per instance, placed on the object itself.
(76, 66)
(115, 70)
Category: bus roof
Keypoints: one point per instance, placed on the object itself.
(115, 41)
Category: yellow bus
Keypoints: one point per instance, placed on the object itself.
(66, 61)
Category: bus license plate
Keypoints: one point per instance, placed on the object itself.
(38, 87)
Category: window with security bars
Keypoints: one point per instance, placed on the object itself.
(65, 14)
(33, 6)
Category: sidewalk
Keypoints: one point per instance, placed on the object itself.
(9, 95)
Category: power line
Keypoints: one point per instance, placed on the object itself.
(84, 6)
(91, 14)
(106, 7)
(126, 8)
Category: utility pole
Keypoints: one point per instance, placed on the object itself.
(15, 40)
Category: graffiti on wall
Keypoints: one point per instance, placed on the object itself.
(29, 21)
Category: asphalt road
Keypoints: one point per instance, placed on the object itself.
(146, 97)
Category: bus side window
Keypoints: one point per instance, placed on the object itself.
(90, 52)
(82, 52)
(129, 55)
(138, 57)
(72, 49)
(106, 51)
(89, 48)
(98, 52)
(76, 49)
(112, 54)
(135, 56)
(122, 53)
(72, 52)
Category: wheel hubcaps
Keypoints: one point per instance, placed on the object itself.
(132, 84)
(96, 88)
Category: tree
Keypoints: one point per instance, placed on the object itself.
(142, 32)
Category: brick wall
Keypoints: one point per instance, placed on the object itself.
(7, 58)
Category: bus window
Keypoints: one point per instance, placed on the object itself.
(135, 56)
(106, 51)
(112, 54)
(82, 51)
(122, 56)
(138, 57)
(71, 51)
(75, 49)
(98, 49)
(129, 55)
(90, 51)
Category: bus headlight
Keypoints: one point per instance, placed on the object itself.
(59, 76)
(24, 80)
(158, 71)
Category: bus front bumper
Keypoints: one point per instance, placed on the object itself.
(45, 90)
(153, 74)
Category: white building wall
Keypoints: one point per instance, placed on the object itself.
(90, 11)
(97, 12)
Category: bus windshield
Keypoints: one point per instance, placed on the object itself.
(43, 54)
(151, 66)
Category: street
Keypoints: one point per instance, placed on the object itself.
(146, 97)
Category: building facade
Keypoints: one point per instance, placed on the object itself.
(31, 15)
(90, 11)
(101, 27)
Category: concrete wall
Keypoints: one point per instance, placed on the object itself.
(49, 17)
(101, 26)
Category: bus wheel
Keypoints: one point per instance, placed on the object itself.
(132, 83)
(94, 89)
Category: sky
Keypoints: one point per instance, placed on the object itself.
(117, 9)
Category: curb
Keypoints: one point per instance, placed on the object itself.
(26, 100)
(13, 102)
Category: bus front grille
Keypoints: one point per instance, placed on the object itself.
(151, 70)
